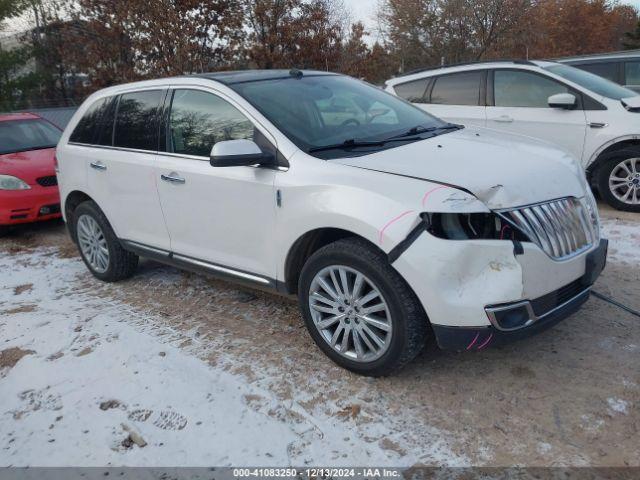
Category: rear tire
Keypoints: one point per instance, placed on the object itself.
(99, 247)
(618, 179)
(392, 303)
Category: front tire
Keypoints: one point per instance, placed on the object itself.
(359, 310)
(99, 247)
(618, 180)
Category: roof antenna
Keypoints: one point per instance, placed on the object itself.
(295, 73)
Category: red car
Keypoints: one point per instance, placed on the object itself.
(28, 183)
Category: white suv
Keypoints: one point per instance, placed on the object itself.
(594, 119)
(388, 224)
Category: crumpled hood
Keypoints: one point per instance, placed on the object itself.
(28, 165)
(501, 170)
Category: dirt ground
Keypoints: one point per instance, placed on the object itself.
(570, 396)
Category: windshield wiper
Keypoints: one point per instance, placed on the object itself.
(419, 129)
(353, 143)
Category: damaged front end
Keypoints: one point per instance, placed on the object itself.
(489, 277)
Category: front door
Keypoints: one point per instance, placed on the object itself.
(521, 106)
(221, 215)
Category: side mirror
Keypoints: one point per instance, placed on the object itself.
(565, 101)
(238, 153)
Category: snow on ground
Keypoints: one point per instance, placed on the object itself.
(90, 376)
(624, 238)
(88, 381)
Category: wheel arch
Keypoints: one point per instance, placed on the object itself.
(71, 202)
(605, 152)
(305, 246)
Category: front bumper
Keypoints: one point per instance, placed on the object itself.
(26, 206)
(543, 312)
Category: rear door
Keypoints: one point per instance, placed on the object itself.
(122, 166)
(519, 104)
(458, 97)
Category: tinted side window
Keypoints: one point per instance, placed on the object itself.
(198, 120)
(412, 91)
(457, 89)
(136, 120)
(523, 89)
(106, 123)
(605, 70)
(87, 126)
(632, 73)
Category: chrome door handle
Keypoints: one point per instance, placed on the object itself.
(98, 166)
(503, 119)
(598, 125)
(173, 177)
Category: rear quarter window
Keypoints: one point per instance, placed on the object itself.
(86, 129)
(412, 91)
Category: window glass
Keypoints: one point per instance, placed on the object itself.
(343, 110)
(592, 82)
(604, 70)
(523, 89)
(106, 123)
(136, 122)
(412, 91)
(86, 128)
(317, 111)
(199, 120)
(457, 89)
(23, 135)
(632, 73)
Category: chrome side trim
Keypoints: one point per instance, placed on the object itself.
(147, 248)
(533, 318)
(219, 269)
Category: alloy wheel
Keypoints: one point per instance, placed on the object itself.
(624, 181)
(93, 243)
(350, 313)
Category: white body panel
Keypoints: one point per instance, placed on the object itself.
(232, 217)
(222, 215)
(462, 114)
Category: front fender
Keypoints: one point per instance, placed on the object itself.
(380, 207)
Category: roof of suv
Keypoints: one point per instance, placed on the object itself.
(18, 116)
(600, 56)
(243, 76)
(427, 72)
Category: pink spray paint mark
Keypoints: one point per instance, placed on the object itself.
(426, 195)
(392, 221)
(473, 341)
(486, 342)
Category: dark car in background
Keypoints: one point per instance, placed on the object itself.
(620, 67)
(28, 183)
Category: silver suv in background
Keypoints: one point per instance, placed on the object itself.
(619, 67)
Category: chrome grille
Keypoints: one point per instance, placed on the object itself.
(561, 228)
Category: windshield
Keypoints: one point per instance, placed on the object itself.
(592, 82)
(23, 135)
(316, 112)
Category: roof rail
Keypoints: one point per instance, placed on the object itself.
(462, 64)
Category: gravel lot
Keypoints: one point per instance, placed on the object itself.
(205, 373)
